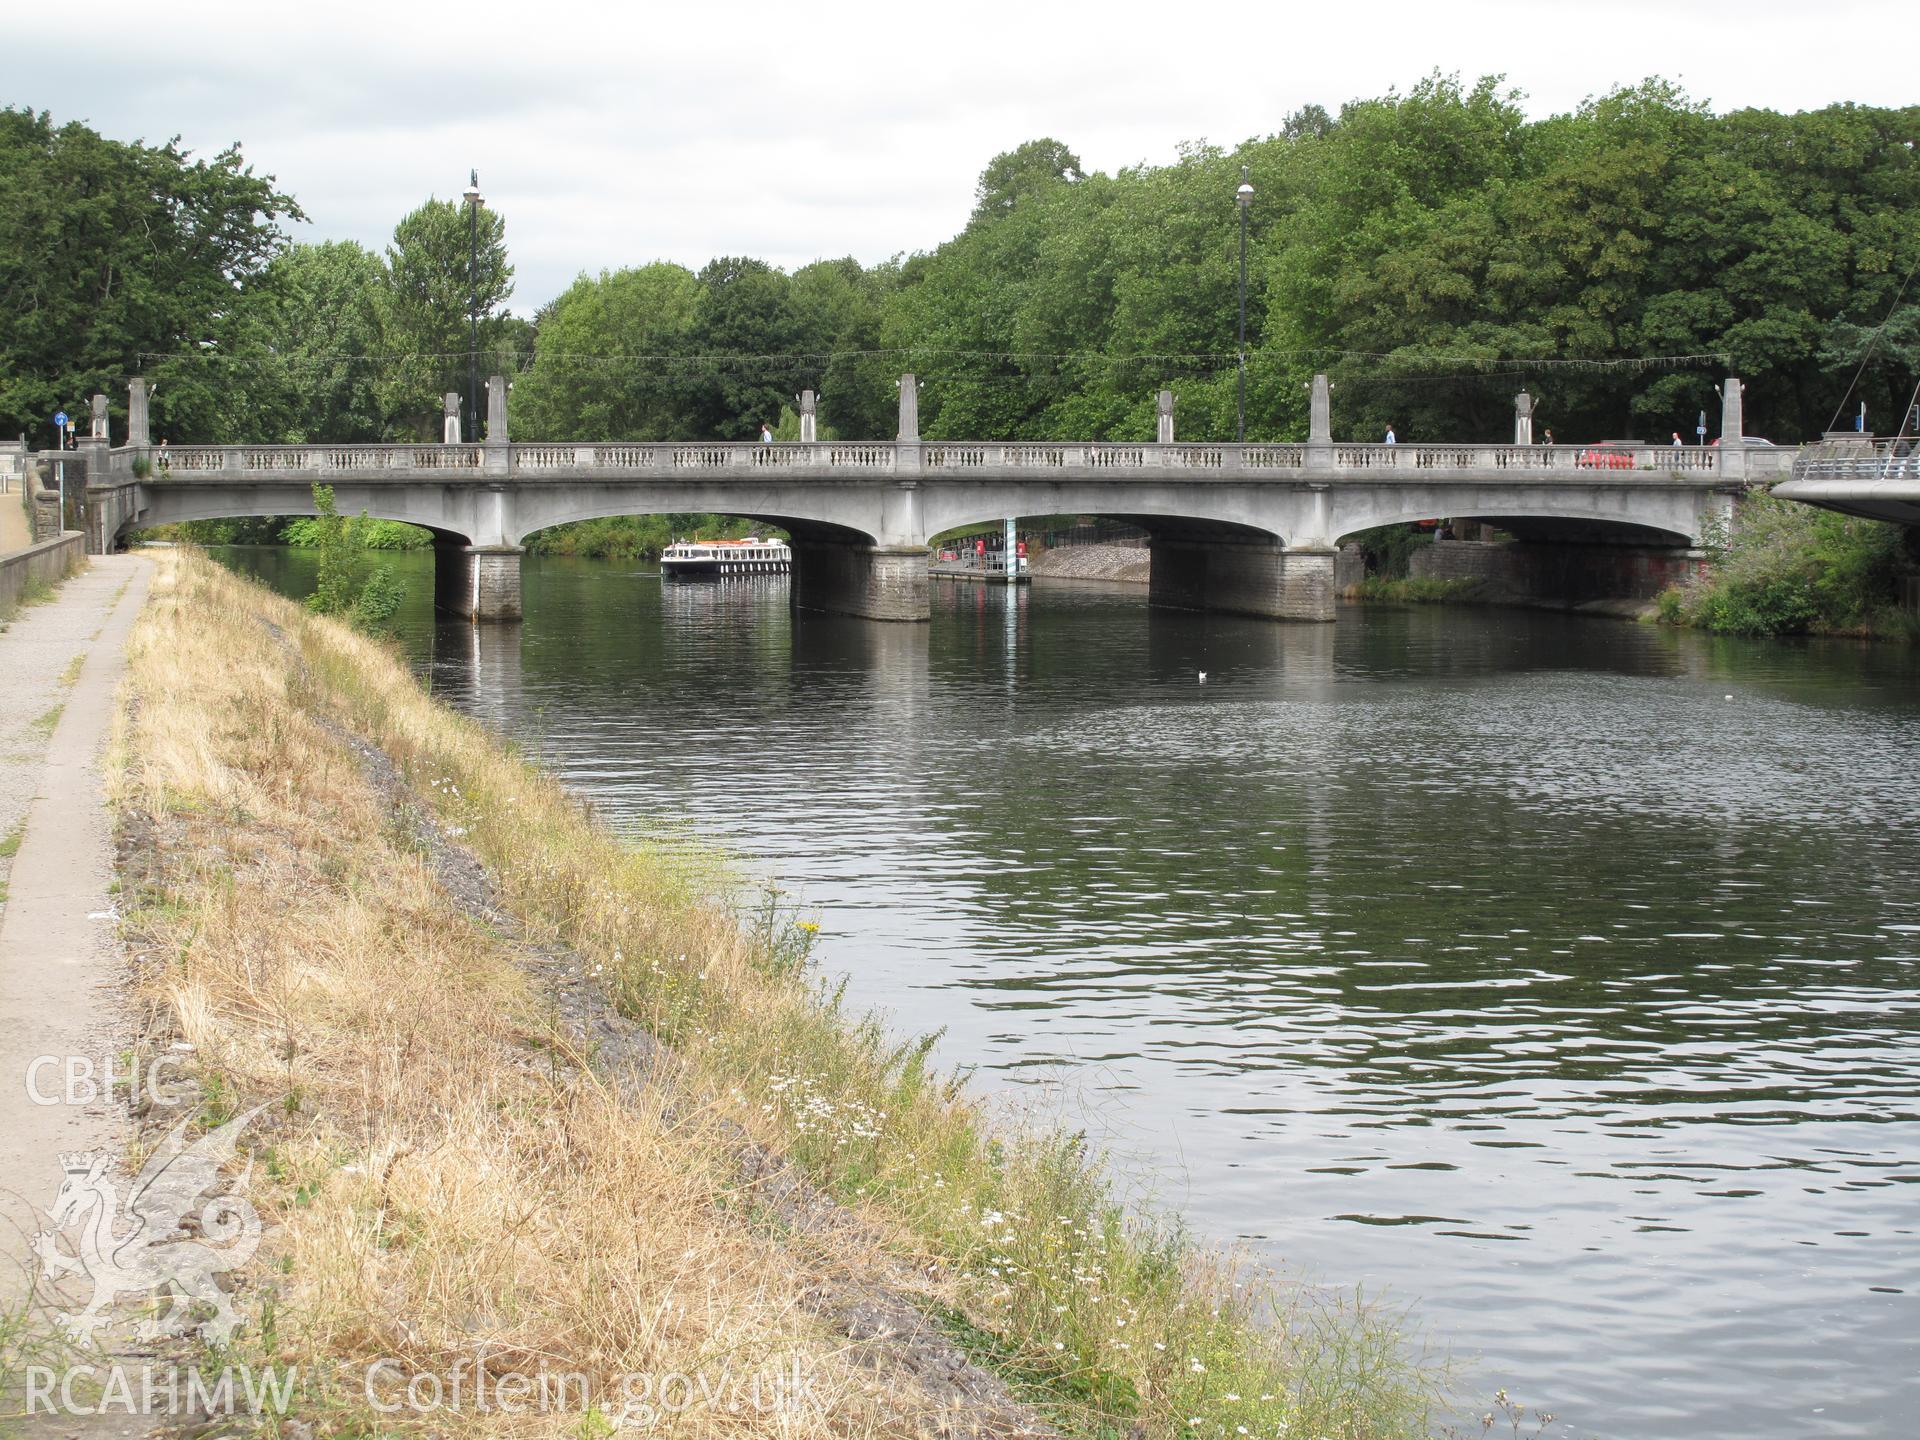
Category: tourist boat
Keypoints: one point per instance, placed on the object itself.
(698, 559)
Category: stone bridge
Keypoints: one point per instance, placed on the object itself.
(1245, 528)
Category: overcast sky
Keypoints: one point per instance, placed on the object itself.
(613, 135)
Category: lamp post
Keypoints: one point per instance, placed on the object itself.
(473, 303)
(1244, 198)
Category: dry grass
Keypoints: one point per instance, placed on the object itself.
(440, 1185)
(440, 1177)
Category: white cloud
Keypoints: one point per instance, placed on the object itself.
(615, 134)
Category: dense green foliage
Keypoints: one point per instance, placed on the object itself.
(639, 537)
(117, 259)
(659, 353)
(313, 533)
(1789, 569)
(123, 259)
(338, 586)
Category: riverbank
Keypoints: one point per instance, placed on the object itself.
(1789, 569)
(532, 1091)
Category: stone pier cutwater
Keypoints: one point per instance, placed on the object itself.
(477, 582)
(1250, 529)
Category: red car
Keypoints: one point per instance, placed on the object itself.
(1609, 455)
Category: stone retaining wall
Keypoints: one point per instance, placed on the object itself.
(46, 563)
(1559, 573)
(1122, 564)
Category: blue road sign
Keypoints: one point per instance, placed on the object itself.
(60, 420)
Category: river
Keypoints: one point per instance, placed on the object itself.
(1557, 977)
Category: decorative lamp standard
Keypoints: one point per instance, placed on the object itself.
(1244, 198)
(474, 203)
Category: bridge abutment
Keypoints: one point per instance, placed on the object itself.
(1238, 578)
(477, 582)
(875, 582)
(1560, 572)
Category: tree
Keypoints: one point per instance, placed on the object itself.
(604, 365)
(429, 285)
(316, 324)
(745, 332)
(337, 588)
(841, 308)
(122, 259)
(1018, 174)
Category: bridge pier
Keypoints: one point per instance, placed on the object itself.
(1241, 578)
(477, 582)
(875, 582)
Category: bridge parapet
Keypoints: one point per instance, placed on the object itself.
(855, 460)
(320, 461)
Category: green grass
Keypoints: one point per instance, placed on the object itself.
(10, 843)
(72, 671)
(34, 592)
(45, 723)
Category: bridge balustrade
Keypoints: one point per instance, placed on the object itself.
(310, 459)
(955, 457)
(567, 457)
(1367, 462)
(864, 455)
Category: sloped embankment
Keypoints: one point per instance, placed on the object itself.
(536, 1103)
(1121, 564)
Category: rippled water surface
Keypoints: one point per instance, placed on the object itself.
(1558, 975)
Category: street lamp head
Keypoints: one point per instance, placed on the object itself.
(1244, 195)
(472, 197)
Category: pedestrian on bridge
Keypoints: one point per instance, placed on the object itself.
(1390, 437)
(766, 435)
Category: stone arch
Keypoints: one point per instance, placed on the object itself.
(174, 505)
(1662, 519)
(1235, 519)
(1230, 552)
(837, 516)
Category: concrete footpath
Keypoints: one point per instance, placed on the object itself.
(61, 971)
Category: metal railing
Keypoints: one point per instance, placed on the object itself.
(1859, 460)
